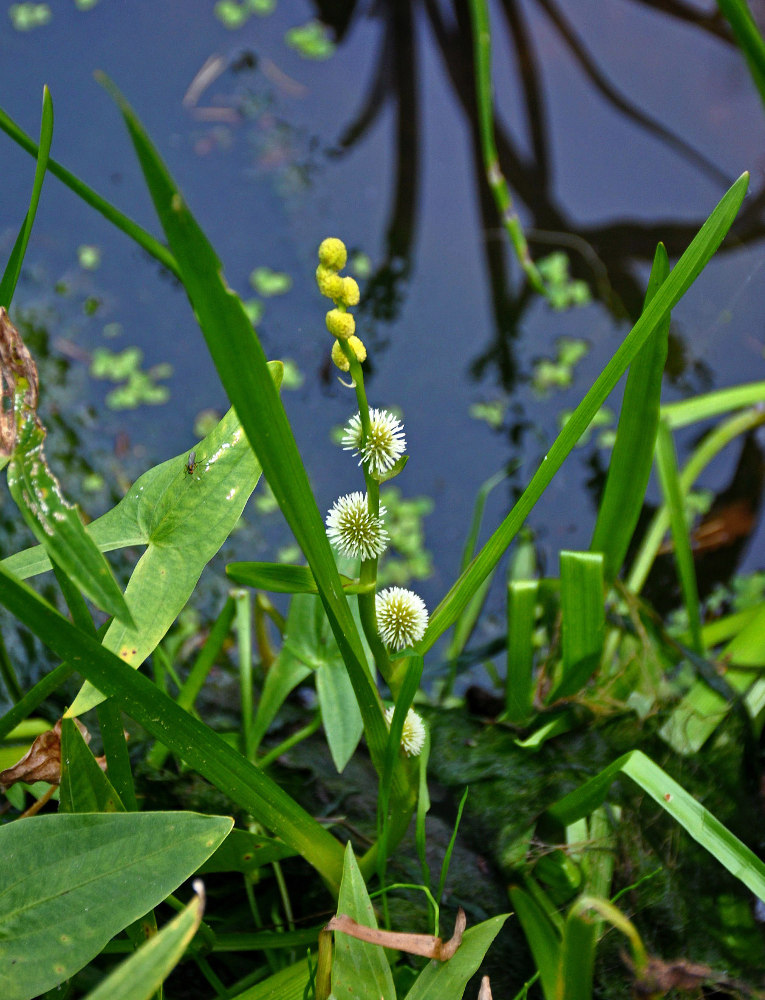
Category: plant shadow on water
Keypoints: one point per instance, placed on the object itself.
(575, 688)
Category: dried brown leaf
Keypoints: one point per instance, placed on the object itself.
(415, 944)
(42, 762)
(18, 374)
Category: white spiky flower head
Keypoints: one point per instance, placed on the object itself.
(401, 617)
(413, 733)
(385, 443)
(355, 531)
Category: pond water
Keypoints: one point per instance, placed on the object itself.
(620, 124)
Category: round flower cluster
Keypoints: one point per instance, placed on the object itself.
(413, 733)
(354, 530)
(401, 617)
(385, 443)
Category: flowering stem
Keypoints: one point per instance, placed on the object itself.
(368, 574)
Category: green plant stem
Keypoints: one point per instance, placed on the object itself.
(291, 741)
(479, 16)
(368, 572)
(243, 626)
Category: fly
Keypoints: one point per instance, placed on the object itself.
(191, 463)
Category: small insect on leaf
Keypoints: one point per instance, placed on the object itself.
(191, 463)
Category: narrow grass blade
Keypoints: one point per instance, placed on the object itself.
(748, 37)
(711, 446)
(682, 276)
(712, 404)
(278, 578)
(697, 821)
(149, 243)
(666, 465)
(241, 364)
(191, 740)
(542, 936)
(138, 977)
(583, 620)
(13, 267)
(521, 622)
(577, 958)
(632, 456)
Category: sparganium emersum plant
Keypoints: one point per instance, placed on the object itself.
(395, 618)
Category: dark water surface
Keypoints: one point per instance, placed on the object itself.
(619, 125)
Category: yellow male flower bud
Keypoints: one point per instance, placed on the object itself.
(349, 294)
(332, 253)
(330, 283)
(341, 324)
(339, 357)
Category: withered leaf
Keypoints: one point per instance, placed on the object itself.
(42, 762)
(18, 376)
(415, 944)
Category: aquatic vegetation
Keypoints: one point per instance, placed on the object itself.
(585, 660)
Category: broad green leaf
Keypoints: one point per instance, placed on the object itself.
(84, 786)
(69, 883)
(13, 267)
(241, 364)
(195, 743)
(583, 619)
(359, 969)
(682, 276)
(280, 579)
(183, 518)
(697, 821)
(632, 456)
(243, 851)
(442, 980)
(339, 711)
(139, 976)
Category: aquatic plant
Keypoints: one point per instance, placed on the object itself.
(571, 646)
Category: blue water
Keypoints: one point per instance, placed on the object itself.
(264, 173)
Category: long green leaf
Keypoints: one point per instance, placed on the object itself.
(543, 938)
(682, 276)
(521, 621)
(632, 457)
(697, 821)
(69, 883)
(749, 39)
(583, 620)
(280, 579)
(666, 466)
(191, 740)
(241, 364)
(149, 243)
(138, 977)
(13, 267)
